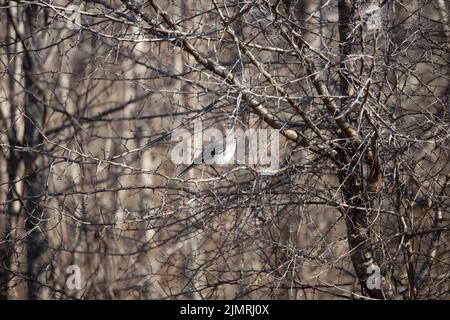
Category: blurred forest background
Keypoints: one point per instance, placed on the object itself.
(91, 92)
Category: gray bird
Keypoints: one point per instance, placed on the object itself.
(215, 152)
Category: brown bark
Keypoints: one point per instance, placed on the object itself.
(34, 184)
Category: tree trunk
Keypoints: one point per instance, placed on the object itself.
(34, 184)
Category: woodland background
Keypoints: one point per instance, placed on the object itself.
(90, 92)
